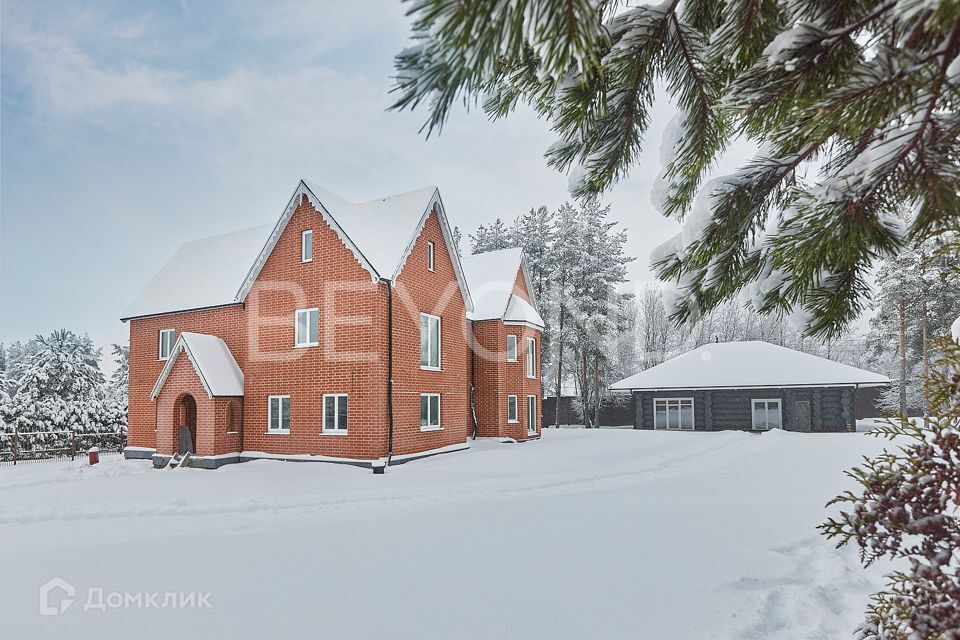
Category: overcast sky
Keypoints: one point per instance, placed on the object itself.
(128, 129)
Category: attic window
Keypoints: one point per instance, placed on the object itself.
(306, 246)
(430, 256)
(166, 343)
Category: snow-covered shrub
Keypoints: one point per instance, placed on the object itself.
(907, 509)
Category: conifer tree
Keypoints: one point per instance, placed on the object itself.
(492, 237)
(868, 90)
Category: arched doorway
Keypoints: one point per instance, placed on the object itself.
(185, 424)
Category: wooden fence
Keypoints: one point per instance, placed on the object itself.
(30, 446)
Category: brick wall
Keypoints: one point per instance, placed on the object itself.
(420, 290)
(496, 378)
(228, 323)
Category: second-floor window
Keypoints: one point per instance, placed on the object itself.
(166, 341)
(429, 341)
(430, 256)
(531, 357)
(307, 328)
(306, 246)
(511, 348)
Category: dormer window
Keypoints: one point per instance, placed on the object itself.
(430, 256)
(306, 246)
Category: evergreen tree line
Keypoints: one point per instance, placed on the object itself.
(53, 384)
(917, 299)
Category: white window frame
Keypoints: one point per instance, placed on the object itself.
(439, 365)
(334, 430)
(515, 350)
(432, 427)
(677, 402)
(531, 415)
(170, 343)
(766, 413)
(279, 430)
(303, 246)
(431, 256)
(516, 409)
(531, 355)
(297, 343)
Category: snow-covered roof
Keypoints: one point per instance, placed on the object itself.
(519, 310)
(218, 371)
(201, 273)
(220, 270)
(491, 277)
(748, 364)
(379, 227)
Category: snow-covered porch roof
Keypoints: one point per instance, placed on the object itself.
(752, 364)
(211, 358)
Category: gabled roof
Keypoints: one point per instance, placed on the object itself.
(519, 311)
(491, 276)
(753, 364)
(218, 371)
(221, 270)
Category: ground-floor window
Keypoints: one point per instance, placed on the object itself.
(673, 413)
(278, 414)
(531, 414)
(234, 416)
(766, 415)
(429, 411)
(335, 413)
(512, 409)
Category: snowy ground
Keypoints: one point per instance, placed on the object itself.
(587, 533)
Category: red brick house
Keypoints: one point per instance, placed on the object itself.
(347, 332)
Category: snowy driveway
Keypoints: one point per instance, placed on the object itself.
(583, 534)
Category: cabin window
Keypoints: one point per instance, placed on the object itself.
(531, 357)
(278, 414)
(531, 414)
(511, 348)
(430, 251)
(512, 409)
(429, 411)
(766, 414)
(166, 343)
(306, 246)
(307, 326)
(429, 342)
(335, 413)
(673, 413)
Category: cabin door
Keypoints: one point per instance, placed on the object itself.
(801, 412)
